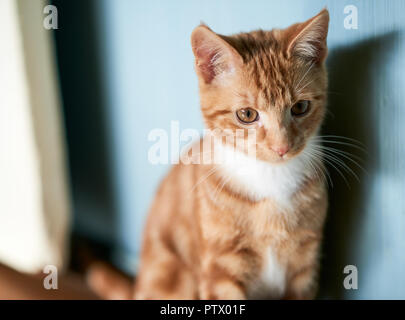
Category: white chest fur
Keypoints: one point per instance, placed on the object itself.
(272, 281)
(259, 179)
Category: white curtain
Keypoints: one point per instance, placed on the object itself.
(34, 201)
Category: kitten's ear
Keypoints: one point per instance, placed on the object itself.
(214, 56)
(308, 39)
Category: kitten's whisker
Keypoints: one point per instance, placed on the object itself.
(342, 137)
(323, 171)
(341, 152)
(340, 162)
(341, 143)
(315, 168)
(204, 178)
(337, 169)
(303, 77)
(332, 163)
(348, 140)
(218, 191)
(312, 164)
(329, 177)
(306, 85)
(347, 156)
(348, 166)
(318, 166)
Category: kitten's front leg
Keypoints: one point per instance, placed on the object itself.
(222, 277)
(303, 285)
(303, 288)
(223, 288)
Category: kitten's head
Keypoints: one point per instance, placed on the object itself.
(272, 81)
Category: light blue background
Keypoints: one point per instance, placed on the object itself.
(150, 80)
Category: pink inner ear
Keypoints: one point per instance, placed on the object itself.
(206, 62)
(308, 39)
(213, 54)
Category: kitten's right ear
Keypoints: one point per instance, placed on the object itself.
(214, 57)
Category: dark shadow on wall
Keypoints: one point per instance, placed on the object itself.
(353, 72)
(80, 73)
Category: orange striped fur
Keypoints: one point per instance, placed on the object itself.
(216, 233)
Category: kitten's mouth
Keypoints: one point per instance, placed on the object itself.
(271, 157)
(274, 157)
(282, 159)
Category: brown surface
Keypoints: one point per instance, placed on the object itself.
(16, 285)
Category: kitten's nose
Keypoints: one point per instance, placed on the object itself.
(281, 150)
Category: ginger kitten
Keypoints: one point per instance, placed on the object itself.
(250, 227)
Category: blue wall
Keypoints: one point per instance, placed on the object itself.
(150, 80)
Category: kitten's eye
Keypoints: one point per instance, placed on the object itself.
(247, 115)
(300, 108)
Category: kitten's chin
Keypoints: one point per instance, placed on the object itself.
(225, 153)
(273, 158)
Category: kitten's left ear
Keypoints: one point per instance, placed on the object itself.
(308, 39)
